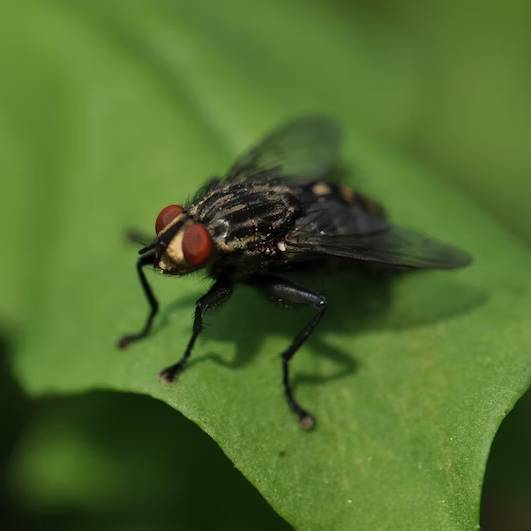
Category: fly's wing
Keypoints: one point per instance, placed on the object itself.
(394, 247)
(307, 147)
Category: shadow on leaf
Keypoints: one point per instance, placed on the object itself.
(358, 303)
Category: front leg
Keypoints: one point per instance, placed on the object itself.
(143, 261)
(283, 291)
(219, 293)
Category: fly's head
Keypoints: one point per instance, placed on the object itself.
(182, 245)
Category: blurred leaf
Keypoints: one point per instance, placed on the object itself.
(507, 489)
(80, 458)
(409, 381)
(473, 115)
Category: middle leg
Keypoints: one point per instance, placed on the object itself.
(284, 292)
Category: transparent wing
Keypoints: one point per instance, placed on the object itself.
(307, 147)
(400, 248)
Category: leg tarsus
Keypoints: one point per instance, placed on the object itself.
(169, 374)
(306, 420)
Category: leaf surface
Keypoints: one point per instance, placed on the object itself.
(137, 106)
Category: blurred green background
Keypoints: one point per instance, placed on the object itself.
(447, 83)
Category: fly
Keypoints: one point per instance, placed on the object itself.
(275, 211)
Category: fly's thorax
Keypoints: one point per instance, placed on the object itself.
(247, 217)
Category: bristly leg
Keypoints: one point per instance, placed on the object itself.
(282, 291)
(219, 293)
(144, 260)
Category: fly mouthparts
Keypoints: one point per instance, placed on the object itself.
(150, 247)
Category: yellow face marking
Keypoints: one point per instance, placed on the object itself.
(173, 259)
(321, 189)
(165, 264)
(175, 248)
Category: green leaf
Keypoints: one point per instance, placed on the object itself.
(116, 109)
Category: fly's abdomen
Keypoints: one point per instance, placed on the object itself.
(331, 209)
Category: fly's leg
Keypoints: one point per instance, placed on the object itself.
(137, 237)
(284, 292)
(216, 295)
(144, 260)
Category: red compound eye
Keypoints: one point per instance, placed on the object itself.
(197, 244)
(166, 216)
